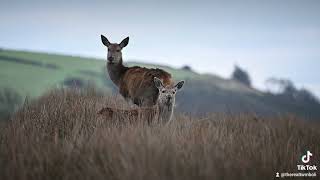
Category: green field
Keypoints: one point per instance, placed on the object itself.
(33, 80)
(28, 79)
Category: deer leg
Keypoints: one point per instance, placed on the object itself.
(148, 102)
(130, 102)
(137, 101)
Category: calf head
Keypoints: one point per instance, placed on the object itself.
(167, 94)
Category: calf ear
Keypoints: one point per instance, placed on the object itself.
(158, 83)
(179, 85)
(105, 41)
(124, 42)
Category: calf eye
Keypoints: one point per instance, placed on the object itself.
(163, 91)
(173, 92)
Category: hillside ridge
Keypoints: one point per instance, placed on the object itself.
(32, 74)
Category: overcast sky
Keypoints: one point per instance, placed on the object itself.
(279, 38)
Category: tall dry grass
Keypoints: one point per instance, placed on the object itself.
(60, 136)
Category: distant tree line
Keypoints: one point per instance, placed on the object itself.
(286, 88)
(278, 86)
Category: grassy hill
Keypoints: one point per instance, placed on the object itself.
(33, 74)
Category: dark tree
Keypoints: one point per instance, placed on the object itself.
(241, 76)
(186, 68)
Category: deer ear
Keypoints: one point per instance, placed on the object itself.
(179, 85)
(124, 42)
(105, 41)
(158, 83)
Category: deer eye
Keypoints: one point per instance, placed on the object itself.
(173, 92)
(163, 91)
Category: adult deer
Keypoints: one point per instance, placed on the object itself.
(136, 84)
(162, 112)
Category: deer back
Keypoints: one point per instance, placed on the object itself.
(138, 83)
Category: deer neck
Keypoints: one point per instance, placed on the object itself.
(165, 112)
(116, 71)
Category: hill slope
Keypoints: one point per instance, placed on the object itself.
(32, 74)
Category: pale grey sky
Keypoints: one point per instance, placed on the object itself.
(268, 38)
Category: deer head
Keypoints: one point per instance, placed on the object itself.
(114, 49)
(167, 95)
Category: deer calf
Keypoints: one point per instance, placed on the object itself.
(136, 84)
(162, 112)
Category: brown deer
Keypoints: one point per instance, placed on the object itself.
(136, 84)
(161, 113)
